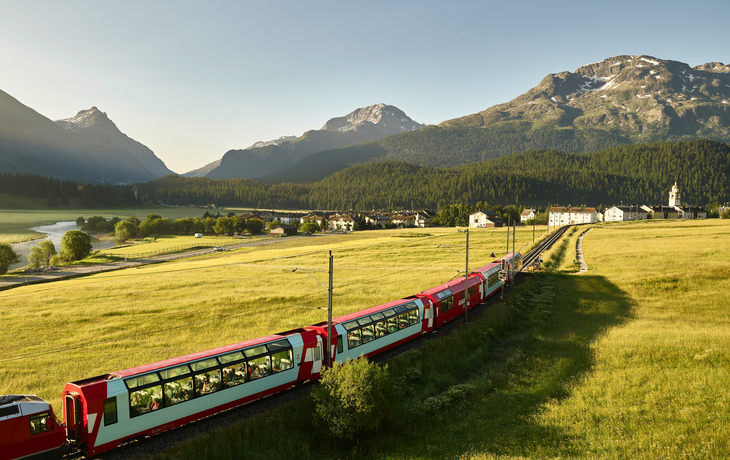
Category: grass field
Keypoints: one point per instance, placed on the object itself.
(74, 329)
(628, 361)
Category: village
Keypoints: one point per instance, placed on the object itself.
(287, 223)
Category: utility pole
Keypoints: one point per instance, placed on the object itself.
(466, 281)
(512, 272)
(329, 315)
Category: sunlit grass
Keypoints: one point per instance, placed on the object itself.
(68, 330)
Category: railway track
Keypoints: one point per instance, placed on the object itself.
(534, 255)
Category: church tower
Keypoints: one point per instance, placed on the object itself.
(674, 199)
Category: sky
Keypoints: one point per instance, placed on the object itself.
(192, 80)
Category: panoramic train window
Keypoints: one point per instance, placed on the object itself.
(413, 317)
(381, 329)
(229, 358)
(259, 367)
(110, 411)
(40, 423)
(368, 333)
(393, 324)
(207, 382)
(178, 390)
(354, 338)
(260, 350)
(282, 360)
(175, 372)
(234, 375)
(145, 400)
(140, 381)
(403, 321)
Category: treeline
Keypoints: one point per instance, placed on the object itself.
(61, 192)
(630, 173)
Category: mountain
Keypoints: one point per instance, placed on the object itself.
(362, 125)
(620, 100)
(280, 140)
(640, 97)
(95, 126)
(201, 172)
(31, 143)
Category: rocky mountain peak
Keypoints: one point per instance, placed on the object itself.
(383, 115)
(85, 119)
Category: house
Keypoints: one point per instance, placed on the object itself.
(571, 215)
(341, 223)
(484, 219)
(377, 219)
(403, 220)
(423, 218)
(528, 214)
(283, 230)
(661, 212)
(691, 212)
(624, 213)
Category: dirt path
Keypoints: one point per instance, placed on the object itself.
(579, 254)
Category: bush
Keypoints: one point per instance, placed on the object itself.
(354, 398)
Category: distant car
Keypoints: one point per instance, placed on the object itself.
(217, 248)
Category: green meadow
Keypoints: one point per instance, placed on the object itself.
(627, 361)
(74, 329)
(15, 223)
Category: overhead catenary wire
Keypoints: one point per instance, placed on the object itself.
(268, 307)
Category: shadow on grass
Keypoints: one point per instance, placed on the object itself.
(535, 364)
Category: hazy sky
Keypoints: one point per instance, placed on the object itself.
(192, 80)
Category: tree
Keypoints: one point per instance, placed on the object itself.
(8, 257)
(132, 220)
(35, 258)
(254, 226)
(75, 245)
(309, 226)
(47, 250)
(80, 221)
(354, 398)
(51, 199)
(125, 230)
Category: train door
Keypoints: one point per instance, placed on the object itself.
(73, 419)
(317, 356)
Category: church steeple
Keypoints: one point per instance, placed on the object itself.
(674, 196)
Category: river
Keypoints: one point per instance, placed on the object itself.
(53, 232)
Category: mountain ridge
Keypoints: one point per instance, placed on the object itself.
(361, 125)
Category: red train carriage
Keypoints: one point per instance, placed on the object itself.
(29, 430)
(448, 298)
(377, 329)
(103, 411)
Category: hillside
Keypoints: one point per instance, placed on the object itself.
(620, 100)
(630, 173)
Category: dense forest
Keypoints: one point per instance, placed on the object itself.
(640, 173)
(60, 192)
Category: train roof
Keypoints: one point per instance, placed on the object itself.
(12, 406)
(371, 310)
(199, 355)
(456, 285)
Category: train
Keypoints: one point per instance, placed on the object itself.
(102, 412)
